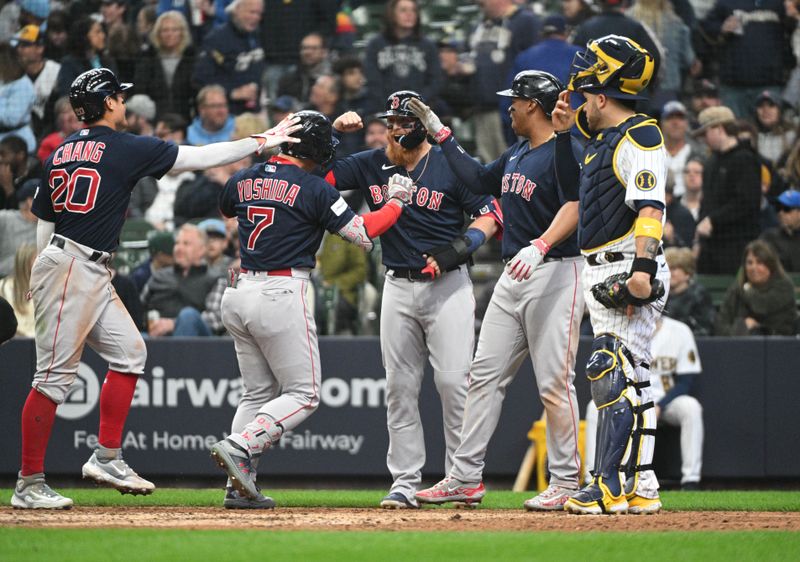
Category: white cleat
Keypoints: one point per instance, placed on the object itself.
(551, 499)
(32, 492)
(117, 474)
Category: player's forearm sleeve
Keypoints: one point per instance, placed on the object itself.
(44, 230)
(211, 155)
(683, 384)
(567, 169)
(474, 175)
(378, 222)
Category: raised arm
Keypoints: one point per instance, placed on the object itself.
(221, 153)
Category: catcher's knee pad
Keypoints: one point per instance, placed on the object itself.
(607, 370)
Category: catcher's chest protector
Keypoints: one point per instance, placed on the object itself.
(604, 216)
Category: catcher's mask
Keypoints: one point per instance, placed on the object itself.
(612, 65)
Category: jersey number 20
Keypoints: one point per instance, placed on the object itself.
(266, 216)
(64, 185)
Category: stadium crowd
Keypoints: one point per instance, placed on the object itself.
(726, 94)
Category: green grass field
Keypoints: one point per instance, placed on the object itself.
(105, 545)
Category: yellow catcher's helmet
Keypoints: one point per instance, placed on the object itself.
(612, 65)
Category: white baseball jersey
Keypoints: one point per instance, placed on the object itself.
(674, 353)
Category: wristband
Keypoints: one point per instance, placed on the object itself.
(646, 226)
(542, 245)
(475, 238)
(443, 134)
(645, 265)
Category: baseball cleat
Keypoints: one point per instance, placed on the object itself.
(235, 461)
(32, 492)
(596, 499)
(551, 499)
(452, 490)
(235, 500)
(117, 474)
(639, 505)
(396, 500)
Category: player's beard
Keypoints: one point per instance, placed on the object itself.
(401, 156)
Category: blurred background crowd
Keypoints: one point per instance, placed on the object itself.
(726, 94)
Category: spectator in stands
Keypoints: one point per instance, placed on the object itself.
(232, 56)
(346, 269)
(747, 132)
(280, 107)
(400, 58)
(762, 299)
(693, 184)
(680, 224)
(674, 368)
(613, 20)
(145, 22)
(17, 226)
(288, 24)
(248, 124)
(165, 74)
(754, 49)
(15, 287)
(141, 113)
(785, 238)
(730, 209)
(675, 38)
(66, 123)
(454, 93)
(688, 300)
(216, 244)
(576, 12)
(18, 14)
(349, 72)
(16, 167)
(186, 296)
(704, 94)
(29, 45)
(199, 197)
(324, 96)
(375, 133)
(159, 246)
(171, 127)
(86, 47)
(55, 46)
(679, 144)
(17, 98)
(552, 54)
(313, 63)
(213, 122)
(203, 15)
(504, 31)
(128, 294)
(775, 135)
(123, 42)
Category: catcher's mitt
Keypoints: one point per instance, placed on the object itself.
(613, 292)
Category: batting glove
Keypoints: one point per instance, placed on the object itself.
(521, 266)
(401, 188)
(278, 134)
(429, 120)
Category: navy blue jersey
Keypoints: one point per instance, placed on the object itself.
(525, 181)
(435, 216)
(87, 182)
(283, 213)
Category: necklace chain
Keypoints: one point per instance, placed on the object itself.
(424, 167)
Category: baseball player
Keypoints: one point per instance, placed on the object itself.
(283, 211)
(675, 366)
(537, 303)
(427, 311)
(81, 208)
(622, 175)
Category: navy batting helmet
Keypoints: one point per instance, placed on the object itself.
(316, 139)
(537, 85)
(397, 106)
(612, 65)
(89, 91)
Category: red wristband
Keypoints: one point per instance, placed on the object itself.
(543, 246)
(443, 134)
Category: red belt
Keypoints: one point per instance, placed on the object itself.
(274, 272)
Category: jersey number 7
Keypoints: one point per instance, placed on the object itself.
(266, 216)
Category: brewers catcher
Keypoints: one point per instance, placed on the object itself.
(283, 211)
(537, 303)
(81, 208)
(622, 175)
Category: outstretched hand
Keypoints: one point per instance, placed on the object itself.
(348, 122)
(279, 134)
(563, 116)
(426, 115)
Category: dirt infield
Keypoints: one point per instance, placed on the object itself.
(340, 519)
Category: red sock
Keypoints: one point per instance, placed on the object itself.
(37, 422)
(115, 402)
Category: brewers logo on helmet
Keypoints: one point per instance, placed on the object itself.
(612, 65)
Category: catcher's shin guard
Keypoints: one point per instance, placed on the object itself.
(643, 435)
(608, 372)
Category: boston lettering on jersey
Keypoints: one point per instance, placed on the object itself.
(434, 217)
(519, 184)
